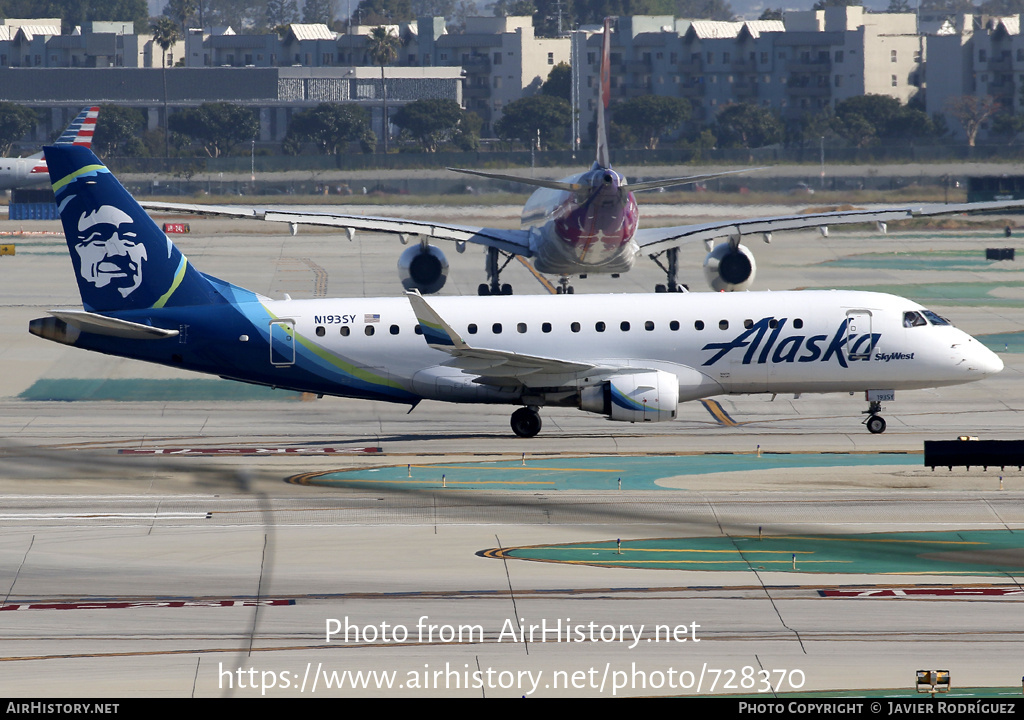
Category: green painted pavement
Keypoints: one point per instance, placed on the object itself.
(948, 260)
(591, 473)
(1003, 342)
(977, 552)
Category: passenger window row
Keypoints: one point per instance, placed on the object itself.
(521, 328)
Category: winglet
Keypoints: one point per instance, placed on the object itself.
(436, 331)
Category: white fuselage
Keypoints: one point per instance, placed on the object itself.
(714, 343)
(23, 172)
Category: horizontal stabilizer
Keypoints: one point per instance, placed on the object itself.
(103, 325)
(669, 182)
(551, 184)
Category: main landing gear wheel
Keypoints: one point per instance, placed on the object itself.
(564, 288)
(494, 286)
(526, 422)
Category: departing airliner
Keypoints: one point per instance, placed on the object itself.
(31, 171)
(631, 358)
(585, 223)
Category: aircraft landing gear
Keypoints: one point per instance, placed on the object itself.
(494, 285)
(564, 288)
(671, 272)
(526, 422)
(874, 422)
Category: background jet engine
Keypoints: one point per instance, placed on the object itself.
(424, 268)
(729, 268)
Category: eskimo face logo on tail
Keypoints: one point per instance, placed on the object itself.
(109, 251)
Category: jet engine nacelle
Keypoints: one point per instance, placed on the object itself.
(423, 268)
(638, 397)
(729, 269)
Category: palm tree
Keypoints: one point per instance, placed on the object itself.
(383, 48)
(165, 34)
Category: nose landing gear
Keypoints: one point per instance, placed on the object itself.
(874, 422)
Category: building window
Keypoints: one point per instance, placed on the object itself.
(497, 58)
(894, 81)
(551, 58)
(892, 56)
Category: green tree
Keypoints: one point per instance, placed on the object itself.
(383, 12)
(431, 122)
(709, 9)
(433, 8)
(651, 116)
(822, 4)
(748, 126)
(523, 118)
(770, 14)
(281, 12)
(559, 82)
(866, 119)
(165, 34)
(77, 12)
(1007, 126)
(115, 126)
(332, 127)
(383, 49)
(16, 122)
(319, 11)
(217, 126)
(183, 12)
(240, 15)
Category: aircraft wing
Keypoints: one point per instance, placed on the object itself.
(481, 361)
(657, 239)
(516, 242)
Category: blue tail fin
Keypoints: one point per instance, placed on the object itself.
(122, 260)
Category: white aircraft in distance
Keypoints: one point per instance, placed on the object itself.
(31, 171)
(585, 223)
(631, 358)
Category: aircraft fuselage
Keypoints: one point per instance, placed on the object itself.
(781, 342)
(590, 230)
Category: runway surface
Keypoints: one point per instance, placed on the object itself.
(153, 546)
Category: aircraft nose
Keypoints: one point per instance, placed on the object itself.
(982, 361)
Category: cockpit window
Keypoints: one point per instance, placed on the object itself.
(935, 319)
(913, 319)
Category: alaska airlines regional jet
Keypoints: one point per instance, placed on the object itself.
(631, 358)
(584, 223)
(29, 171)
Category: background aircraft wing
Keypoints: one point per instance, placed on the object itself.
(512, 241)
(656, 239)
